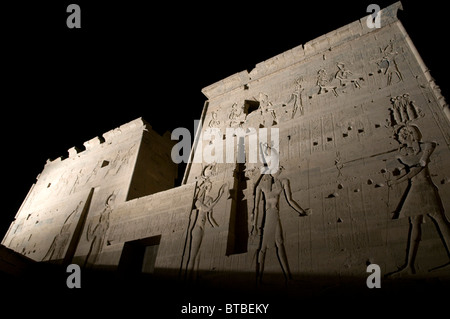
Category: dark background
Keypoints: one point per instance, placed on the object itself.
(61, 87)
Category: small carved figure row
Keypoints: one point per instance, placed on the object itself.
(386, 66)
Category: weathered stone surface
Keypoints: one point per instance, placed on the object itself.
(363, 145)
(70, 194)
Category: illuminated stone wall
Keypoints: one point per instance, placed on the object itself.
(362, 136)
(71, 192)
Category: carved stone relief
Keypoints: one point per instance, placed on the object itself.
(61, 240)
(295, 103)
(323, 81)
(70, 181)
(214, 122)
(120, 160)
(235, 115)
(76, 183)
(268, 188)
(346, 76)
(201, 212)
(388, 65)
(93, 173)
(421, 196)
(338, 164)
(61, 186)
(96, 231)
(343, 77)
(403, 110)
(267, 112)
(330, 147)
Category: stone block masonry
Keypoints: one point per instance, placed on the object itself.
(363, 148)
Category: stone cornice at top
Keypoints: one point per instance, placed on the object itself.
(299, 53)
(136, 126)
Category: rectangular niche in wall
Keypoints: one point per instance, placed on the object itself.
(250, 106)
(139, 256)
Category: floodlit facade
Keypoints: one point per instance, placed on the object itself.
(318, 162)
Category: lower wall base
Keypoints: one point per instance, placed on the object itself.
(106, 292)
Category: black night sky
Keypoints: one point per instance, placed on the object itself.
(130, 59)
